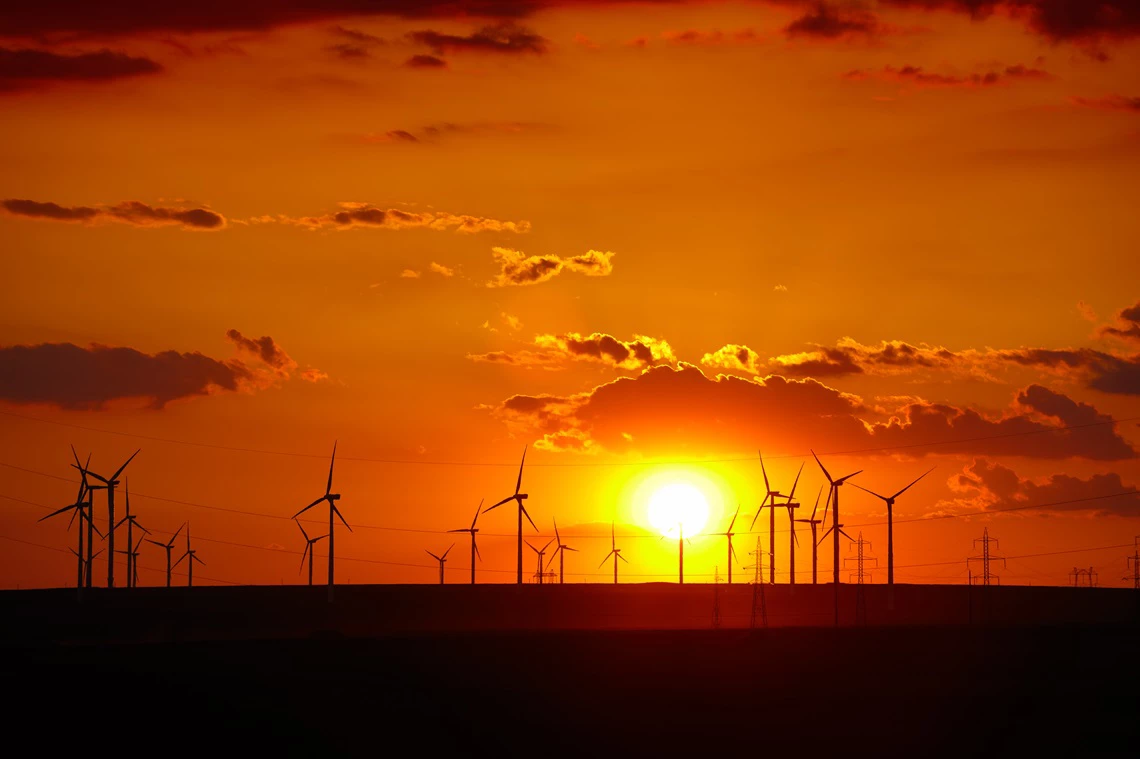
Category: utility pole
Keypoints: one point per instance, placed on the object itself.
(861, 574)
(988, 545)
(1134, 563)
(759, 601)
(716, 599)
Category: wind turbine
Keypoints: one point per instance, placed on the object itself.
(519, 497)
(793, 541)
(332, 498)
(560, 552)
(309, 551)
(110, 483)
(836, 528)
(681, 540)
(890, 501)
(442, 560)
(133, 563)
(168, 547)
(193, 557)
(540, 553)
(813, 523)
(131, 552)
(728, 534)
(89, 580)
(615, 552)
(474, 548)
(79, 508)
(769, 503)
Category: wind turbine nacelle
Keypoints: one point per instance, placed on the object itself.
(522, 496)
(333, 496)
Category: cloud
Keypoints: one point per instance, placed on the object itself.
(921, 78)
(712, 37)
(266, 350)
(1128, 324)
(76, 378)
(501, 38)
(1109, 103)
(667, 410)
(512, 322)
(825, 21)
(780, 289)
(441, 270)
(524, 358)
(433, 132)
(989, 486)
(1106, 372)
(363, 215)
(358, 37)
(425, 62)
(30, 69)
(597, 347)
(733, 358)
(1087, 312)
(409, 274)
(1058, 20)
(131, 212)
(517, 269)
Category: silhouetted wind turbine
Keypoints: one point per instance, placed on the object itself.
(79, 508)
(131, 522)
(813, 522)
(836, 526)
(168, 547)
(541, 552)
(110, 483)
(309, 551)
(615, 552)
(681, 540)
(133, 563)
(474, 548)
(890, 501)
(442, 560)
(769, 503)
(728, 534)
(193, 557)
(332, 498)
(793, 541)
(519, 497)
(560, 552)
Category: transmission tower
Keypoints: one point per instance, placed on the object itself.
(716, 599)
(1134, 563)
(759, 601)
(860, 574)
(987, 577)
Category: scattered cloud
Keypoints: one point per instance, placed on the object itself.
(712, 37)
(665, 410)
(441, 270)
(984, 485)
(523, 358)
(433, 132)
(505, 38)
(733, 358)
(1109, 103)
(76, 378)
(425, 62)
(556, 351)
(364, 215)
(824, 21)
(920, 78)
(409, 274)
(517, 269)
(780, 289)
(132, 212)
(1127, 324)
(33, 69)
(513, 322)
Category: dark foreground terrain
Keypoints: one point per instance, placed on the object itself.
(574, 671)
(803, 692)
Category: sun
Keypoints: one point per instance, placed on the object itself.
(678, 504)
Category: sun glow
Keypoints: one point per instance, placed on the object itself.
(678, 505)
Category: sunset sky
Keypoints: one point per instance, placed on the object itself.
(645, 239)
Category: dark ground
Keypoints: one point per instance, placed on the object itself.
(909, 690)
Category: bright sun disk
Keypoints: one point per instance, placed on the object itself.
(678, 504)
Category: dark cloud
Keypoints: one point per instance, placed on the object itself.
(358, 37)
(713, 37)
(501, 38)
(558, 350)
(30, 69)
(1106, 372)
(919, 77)
(130, 212)
(826, 21)
(348, 51)
(1109, 103)
(666, 410)
(358, 44)
(1059, 20)
(1128, 324)
(989, 486)
(517, 268)
(425, 62)
(265, 349)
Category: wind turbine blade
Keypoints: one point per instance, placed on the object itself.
(160, 545)
(328, 488)
(547, 545)
(528, 545)
(445, 553)
(613, 540)
(824, 536)
(568, 548)
(461, 529)
(302, 529)
(908, 487)
(553, 556)
(477, 510)
(608, 555)
(821, 466)
(175, 535)
(764, 471)
(319, 537)
(311, 505)
(89, 473)
(527, 515)
(844, 534)
(827, 503)
(868, 490)
(175, 566)
(476, 547)
(797, 482)
(734, 516)
(341, 517)
(304, 554)
(429, 553)
(556, 535)
(54, 513)
(752, 526)
(731, 548)
(518, 485)
(194, 557)
(842, 480)
(120, 523)
(622, 557)
(508, 499)
(813, 508)
(119, 471)
(795, 537)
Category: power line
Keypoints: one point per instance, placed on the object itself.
(568, 464)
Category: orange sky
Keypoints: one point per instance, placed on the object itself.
(646, 239)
